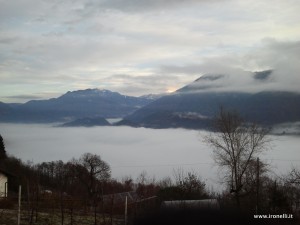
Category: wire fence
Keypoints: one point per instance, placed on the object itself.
(54, 209)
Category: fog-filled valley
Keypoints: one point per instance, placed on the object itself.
(131, 151)
(178, 112)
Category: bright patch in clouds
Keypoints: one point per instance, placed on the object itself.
(141, 47)
(171, 89)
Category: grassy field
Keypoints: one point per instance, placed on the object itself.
(10, 217)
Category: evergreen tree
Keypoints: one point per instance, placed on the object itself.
(2, 149)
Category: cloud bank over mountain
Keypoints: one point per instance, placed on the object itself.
(279, 60)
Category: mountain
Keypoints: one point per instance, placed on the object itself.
(87, 122)
(73, 105)
(5, 108)
(152, 97)
(195, 105)
(192, 106)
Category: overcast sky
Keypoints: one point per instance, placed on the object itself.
(139, 47)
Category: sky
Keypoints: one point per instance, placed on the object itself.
(139, 47)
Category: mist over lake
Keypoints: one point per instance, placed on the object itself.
(130, 151)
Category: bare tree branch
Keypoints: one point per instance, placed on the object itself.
(235, 146)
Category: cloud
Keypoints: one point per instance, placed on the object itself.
(144, 5)
(186, 69)
(59, 46)
(147, 84)
(283, 57)
(32, 97)
(280, 61)
(129, 151)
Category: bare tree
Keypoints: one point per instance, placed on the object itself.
(294, 177)
(292, 188)
(235, 145)
(93, 171)
(146, 186)
(190, 184)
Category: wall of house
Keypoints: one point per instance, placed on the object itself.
(3, 185)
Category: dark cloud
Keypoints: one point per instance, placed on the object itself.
(263, 75)
(142, 5)
(20, 97)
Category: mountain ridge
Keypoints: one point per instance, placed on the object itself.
(194, 105)
(73, 105)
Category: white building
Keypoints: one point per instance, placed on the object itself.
(3, 184)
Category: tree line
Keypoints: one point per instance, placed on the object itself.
(84, 187)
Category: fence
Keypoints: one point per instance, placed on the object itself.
(62, 209)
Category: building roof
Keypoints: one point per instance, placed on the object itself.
(195, 204)
(6, 173)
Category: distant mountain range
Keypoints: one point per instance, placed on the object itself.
(195, 105)
(192, 107)
(74, 105)
(197, 110)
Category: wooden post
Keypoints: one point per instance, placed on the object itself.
(19, 204)
(257, 186)
(126, 210)
(5, 190)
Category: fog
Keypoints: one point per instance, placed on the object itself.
(130, 151)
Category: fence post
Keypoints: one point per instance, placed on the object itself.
(257, 186)
(126, 210)
(19, 204)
